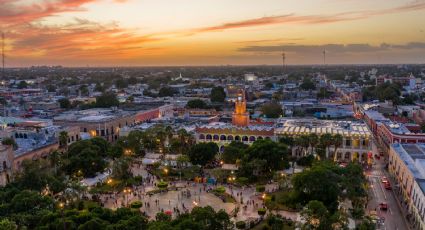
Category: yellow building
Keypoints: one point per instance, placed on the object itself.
(240, 116)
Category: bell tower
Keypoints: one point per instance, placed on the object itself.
(240, 117)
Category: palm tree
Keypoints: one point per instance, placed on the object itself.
(303, 142)
(326, 141)
(161, 137)
(337, 142)
(63, 139)
(314, 141)
(169, 132)
(54, 159)
(148, 141)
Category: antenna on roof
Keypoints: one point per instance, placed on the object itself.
(324, 57)
(2, 54)
(283, 62)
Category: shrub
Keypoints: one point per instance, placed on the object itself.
(261, 211)
(242, 180)
(162, 185)
(240, 225)
(260, 188)
(220, 190)
(136, 204)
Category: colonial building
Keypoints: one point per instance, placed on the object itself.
(106, 123)
(407, 166)
(240, 116)
(6, 164)
(357, 140)
(240, 129)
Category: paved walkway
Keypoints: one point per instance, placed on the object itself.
(247, 199)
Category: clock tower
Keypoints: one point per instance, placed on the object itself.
(240, 116)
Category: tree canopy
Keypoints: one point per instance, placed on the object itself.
(272, 110)
(217, 94)
(107, 100)
(197, 104)
(202, 153)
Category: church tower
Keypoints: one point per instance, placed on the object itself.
(240, 117)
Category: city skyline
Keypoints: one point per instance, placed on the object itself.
(143, 33)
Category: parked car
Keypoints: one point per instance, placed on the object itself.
(384, 180)
(387, 186)
(383, 206)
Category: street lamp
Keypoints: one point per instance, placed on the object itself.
(61, 206)
(126, 192)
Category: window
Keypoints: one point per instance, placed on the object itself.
(347, 142)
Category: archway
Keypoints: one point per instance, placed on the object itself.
(245, 138)
(222, 137)
(202, 137)
(230, 138)
(251, 138)
(215, 137)
(347, 155)
(237, 138)
(208, 137)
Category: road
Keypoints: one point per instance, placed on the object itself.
(394, 217)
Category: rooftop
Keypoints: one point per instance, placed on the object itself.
(92, 115)
(413, 156)
(306, 126)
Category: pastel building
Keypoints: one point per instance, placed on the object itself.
(240, 129)
(407, 166)
(357, 139)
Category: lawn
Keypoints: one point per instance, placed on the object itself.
(281, 200)
(185, 173)
(263, 225)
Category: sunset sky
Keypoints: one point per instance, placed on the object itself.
(211, 32)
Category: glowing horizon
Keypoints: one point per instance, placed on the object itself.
(211, 32)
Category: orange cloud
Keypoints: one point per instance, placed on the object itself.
(81, 39)
(16, 12)
(308, 19)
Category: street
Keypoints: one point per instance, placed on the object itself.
(394, 217)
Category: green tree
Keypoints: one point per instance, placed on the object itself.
(64, 103)
(202, 153)
(325, 141)
(99, 88)
(22, 85)
(121, 169)
(337, 141)
(307, 84)
(107, 100)
(316, 216)
(196, 104)
(85, 158)
(30, 202)
(121, 83)
(6, 224)
(51, 88)
(166, 92)
(10, 141)
(275, 154)
(132, 80)
(303, 141)
(218, 94)
(233, 152)
(272, 110)
(63, 139)
(313, 140)
(319, 183)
